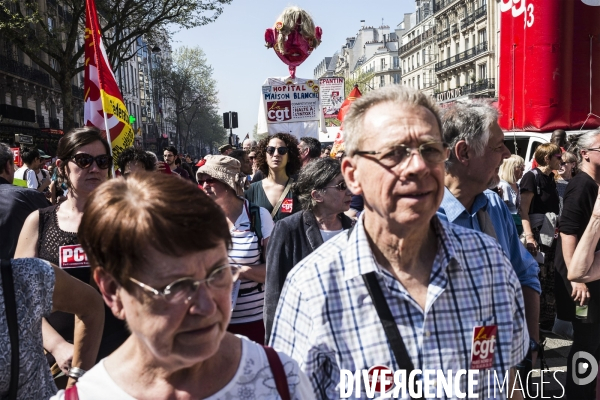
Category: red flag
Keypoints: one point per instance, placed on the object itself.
(338, 143)
(354, 94)
(104, 107)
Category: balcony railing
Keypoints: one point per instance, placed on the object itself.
(442, 4)
(470, 19)
(40, 121)
(54, 123)
(416, 41)
(24, 71)
(443, 34)
(77, 92)
(460, 57)
(481, 86)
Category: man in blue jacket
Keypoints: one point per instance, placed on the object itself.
(477, 151)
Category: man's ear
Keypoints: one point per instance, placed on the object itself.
(110, 290)
(351, 174)
(461, 152)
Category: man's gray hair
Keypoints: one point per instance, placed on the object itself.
(585, 141)
(397, 94)
(470, 122)
(6, 155)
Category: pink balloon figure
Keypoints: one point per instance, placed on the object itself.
(293, 37)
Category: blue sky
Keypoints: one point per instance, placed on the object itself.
(234, 44)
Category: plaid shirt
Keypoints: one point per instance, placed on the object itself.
(326, 320)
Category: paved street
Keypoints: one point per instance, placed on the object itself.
(556, 352)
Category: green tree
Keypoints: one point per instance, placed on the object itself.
(362, 80)
(52, 36)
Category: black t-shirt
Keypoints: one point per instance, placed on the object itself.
(547, 200)
(256, 195)
(578, 204)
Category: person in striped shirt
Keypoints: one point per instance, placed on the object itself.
(250, 227)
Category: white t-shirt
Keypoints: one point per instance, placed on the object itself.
(253, 380)
(245, 250)
(326, 235)
(31, 178)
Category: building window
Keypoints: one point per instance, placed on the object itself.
(483, 71)
(382, 80)
(396, 79)
(466, 43)
(396, 62)
(482, 35)
(458, 80)
(382, 61)
(457, 48)
(418, 81)
(418, 59)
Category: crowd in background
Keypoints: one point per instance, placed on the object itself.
(173, 275)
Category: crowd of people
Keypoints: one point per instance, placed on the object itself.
(264, 272)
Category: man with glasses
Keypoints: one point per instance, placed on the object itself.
(170, 154)
(440, 288)
(476, 152)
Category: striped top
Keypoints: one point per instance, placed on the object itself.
(245, 250)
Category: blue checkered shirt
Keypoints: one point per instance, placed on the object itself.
(326, 320)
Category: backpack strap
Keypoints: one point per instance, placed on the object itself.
(278, 373)
(71, 393)
(10, 305)
(256, 227)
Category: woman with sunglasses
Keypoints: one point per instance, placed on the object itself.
(324, 198)
(83, 163)
(250, 227)
(278, 158)
(163, 267)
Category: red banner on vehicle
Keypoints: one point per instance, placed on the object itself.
(549, 64)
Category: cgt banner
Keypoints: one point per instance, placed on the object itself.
(332, 96)
(549, 64)
(291, 102)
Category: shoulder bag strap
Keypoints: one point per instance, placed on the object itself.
(288, 186)
(278, 373)
(71, 393)
(10, 305)
(389, 324)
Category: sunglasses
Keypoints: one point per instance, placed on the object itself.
(251, 157)
(282, 151)
(340, 186)
(83, 160)
(210, 181)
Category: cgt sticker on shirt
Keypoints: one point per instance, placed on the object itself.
(72, 256)
(484, 346)
(287, 206)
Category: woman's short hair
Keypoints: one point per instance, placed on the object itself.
(507, 169)
(123, 217)
(585, 141)
(73, 141)
(293, 165)
(545, 150)
(315, 176)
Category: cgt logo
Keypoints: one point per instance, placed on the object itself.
(279, 111)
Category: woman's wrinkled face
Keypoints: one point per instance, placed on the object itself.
(335, 200)
(189, 331)
(213, 187)
(277, 160)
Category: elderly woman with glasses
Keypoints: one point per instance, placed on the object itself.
(83, 163)
(162, 266)
(278, 158)
(324, 198)
(250, 227)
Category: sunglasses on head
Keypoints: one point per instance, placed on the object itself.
(83, 160)
(210, 181)
(280, 150)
